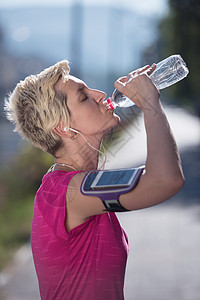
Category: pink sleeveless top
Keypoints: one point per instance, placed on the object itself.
(86, 263)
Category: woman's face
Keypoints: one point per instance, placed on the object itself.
(88, 114)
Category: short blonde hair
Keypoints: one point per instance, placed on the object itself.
(35, 107)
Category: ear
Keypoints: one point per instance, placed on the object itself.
(62, 131)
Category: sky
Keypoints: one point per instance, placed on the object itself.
(145, 7)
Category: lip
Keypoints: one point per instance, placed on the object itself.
(110, 108)
(109, 104)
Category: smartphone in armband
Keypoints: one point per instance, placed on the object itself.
(108, 185)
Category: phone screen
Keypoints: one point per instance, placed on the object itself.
(113, 178)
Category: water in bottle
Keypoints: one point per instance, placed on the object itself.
(168, 71)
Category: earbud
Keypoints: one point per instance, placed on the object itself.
(74, 130)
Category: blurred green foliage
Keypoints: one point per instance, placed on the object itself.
(18, 185)
(180, 34)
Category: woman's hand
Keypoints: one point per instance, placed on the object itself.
(138, 87)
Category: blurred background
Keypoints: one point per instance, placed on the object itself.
(103, 40)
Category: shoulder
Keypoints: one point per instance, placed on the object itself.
(57, 180)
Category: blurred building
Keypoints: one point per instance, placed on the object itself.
(96, 39)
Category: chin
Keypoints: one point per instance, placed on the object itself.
(115, 121)
(111, 123)
(118, 119)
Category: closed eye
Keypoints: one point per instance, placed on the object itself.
(84, 98)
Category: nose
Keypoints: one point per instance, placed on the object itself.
(99, 96)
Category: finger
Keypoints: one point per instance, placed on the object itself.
(140, 70)
(152, 68)
(143, 69)
(131, 75)
(120, 84)
(122, 79)
(134, 73)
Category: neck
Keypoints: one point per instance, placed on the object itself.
(79, 155)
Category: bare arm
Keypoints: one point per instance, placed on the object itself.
(163, 175)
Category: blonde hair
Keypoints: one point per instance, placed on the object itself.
(35, 107)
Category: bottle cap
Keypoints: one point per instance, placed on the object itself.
(110, 104)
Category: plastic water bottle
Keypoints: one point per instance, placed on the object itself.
(168, 71)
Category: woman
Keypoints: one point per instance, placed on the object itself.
(79, 248)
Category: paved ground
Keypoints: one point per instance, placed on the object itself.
(164, 258)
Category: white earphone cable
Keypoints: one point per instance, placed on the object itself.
(102, 153)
